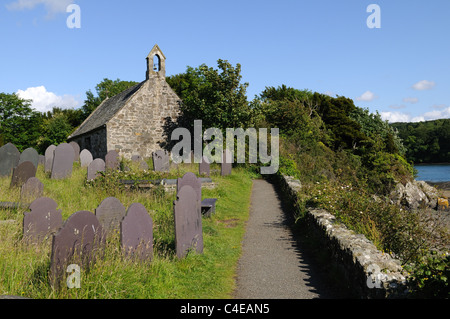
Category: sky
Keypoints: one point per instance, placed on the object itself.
(394, 59)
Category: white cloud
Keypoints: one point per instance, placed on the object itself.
(412, 100)
(52, 6)
(423, 85)
(44, 101)
(367, 97)
(406, 117)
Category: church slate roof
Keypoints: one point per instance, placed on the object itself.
(106, 111)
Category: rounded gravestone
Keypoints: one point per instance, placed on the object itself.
(191, 180)
(62, 161)
(112, 160)
(42, 220)
(76, 149)
(86, 158)
(96, 166)
(30, 155)
(110, 213)
(32, 189)
(22, 173)
(49, 153)
(136, 232)
(9, 158)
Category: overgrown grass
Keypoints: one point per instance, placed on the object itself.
(24, 268)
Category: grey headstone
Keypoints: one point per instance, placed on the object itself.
(110, 213)
(191, 180)
(143, 165)
(136, 158)
(22, 173)
(188, 222)
(31, 190)
(62, 161)
(226, 163)
(30, 155)
(136, 233)
(85, 158)
(41, 160)
(42, 220)
(76, 150)
(96, 166)
(112, 160)
(204, 167)
(49, 153)
(161, 161)
(9, 158)
(75, 243)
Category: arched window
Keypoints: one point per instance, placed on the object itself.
(156, 63)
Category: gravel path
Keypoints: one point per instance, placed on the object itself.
(272, 265)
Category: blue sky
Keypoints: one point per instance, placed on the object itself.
(401, 70)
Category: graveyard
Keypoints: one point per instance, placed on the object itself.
(135, 242)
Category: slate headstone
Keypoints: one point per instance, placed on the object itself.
(22, 173)
(136, 158)
(77, 242)
(136, 233)
(85, 158)
(9, 158)
(188, 222)
(96, 166)
(76, 150)
(112, 160)
(30, 155)
(49, 153)
(110, 213)
(191, 180)
(62, 161)
(204, 167)
(41, 160)
(42, 220)
(161, 161)
(31, 190)
(226, 163)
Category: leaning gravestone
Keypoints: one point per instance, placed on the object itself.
(76, 150)
(204, 167)
(49, 153)
(110, 213)
(188, 222)
(75, 243)
(112, 160)
(161, 161)
(226, 163)
(31, 190)
(96, 166)
(22, 173)
(42, 220)
(9, 158)
(191, 180)
(85, 158)
(62, 161)
(136, 233)
(30, 155)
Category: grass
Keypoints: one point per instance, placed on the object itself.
(24, 268)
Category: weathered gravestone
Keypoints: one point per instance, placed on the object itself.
(76, 150)
(31, 190)
(86, 158)
(22, 173)
(42, 220)
(188, 222)
(110, 213)
(96, 166)
(62, 161)
(9, 158)
(49, 153)
(112, 160)
(161, 162)
(204, 167)
(191, 180)
(77, 242)
(226, 163)
(136, 233)
(29, 155)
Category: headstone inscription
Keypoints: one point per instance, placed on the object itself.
(22, 173)
(62, 161)
(136, 233)
(85, 158)
(96, 166)
(188, 222)
(75, 243)
(42, 220)
(110, 213)
(9, 158)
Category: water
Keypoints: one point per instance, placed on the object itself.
(433, 172)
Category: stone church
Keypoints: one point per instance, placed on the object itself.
(132, 122)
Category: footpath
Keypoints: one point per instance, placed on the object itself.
(272, 265)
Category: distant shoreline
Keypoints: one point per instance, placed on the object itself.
(429, 164)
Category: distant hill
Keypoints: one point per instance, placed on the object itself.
(426, 142)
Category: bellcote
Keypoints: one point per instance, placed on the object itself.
(156, 63)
